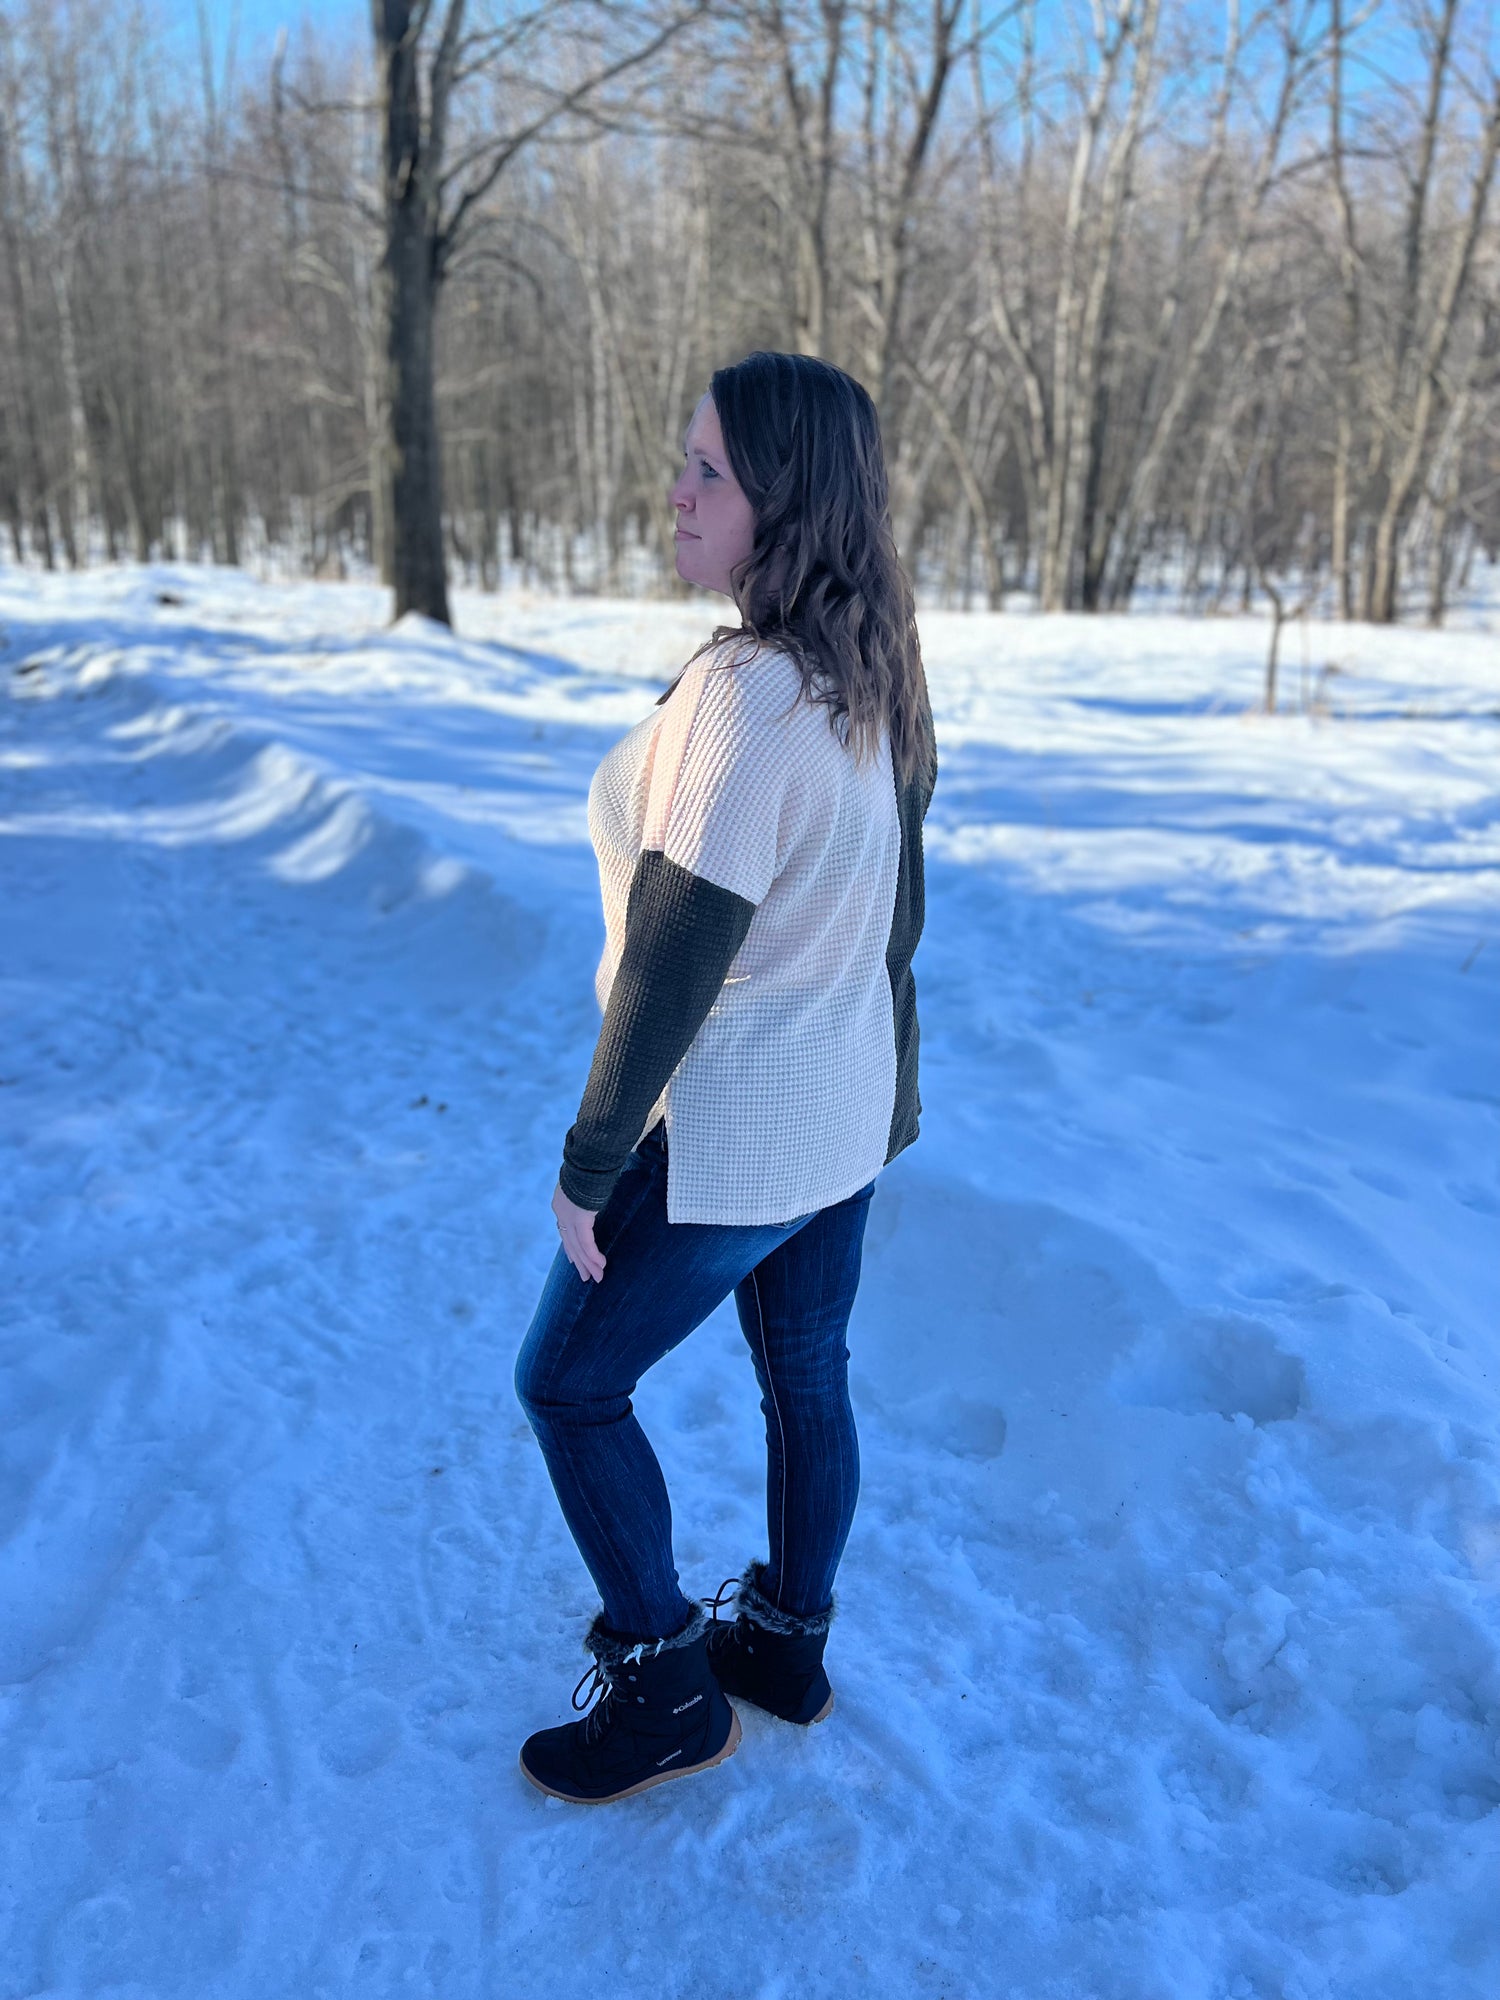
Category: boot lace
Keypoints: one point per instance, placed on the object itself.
(724, 1595)
(596, 1686)
(721, 1633)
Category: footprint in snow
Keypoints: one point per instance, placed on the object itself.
(198, 1740)
(359, 1734)
(1219, 1363)
(94, 1942)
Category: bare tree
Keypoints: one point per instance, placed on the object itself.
(428, 199)
(1420, 359)
(805, 51)
(34, 474)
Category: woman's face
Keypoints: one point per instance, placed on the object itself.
(715, 522)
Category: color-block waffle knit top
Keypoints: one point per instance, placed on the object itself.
(763, 897)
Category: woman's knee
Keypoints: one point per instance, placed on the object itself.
(562, 1381)
(526, 1380)
(545, 1365)
(552, 1351)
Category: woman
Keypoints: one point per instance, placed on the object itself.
(759, 839)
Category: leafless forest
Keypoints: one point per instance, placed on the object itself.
(1190, 293)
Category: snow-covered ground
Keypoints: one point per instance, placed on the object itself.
(1168, 1658)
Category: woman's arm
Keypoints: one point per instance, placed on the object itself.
(681, 936)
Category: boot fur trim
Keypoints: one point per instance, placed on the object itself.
(750, 1598)
(617, 1649)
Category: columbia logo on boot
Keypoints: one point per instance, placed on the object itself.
(687, 1705)
(667, 1759)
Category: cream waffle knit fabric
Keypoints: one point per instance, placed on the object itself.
(783, 1102)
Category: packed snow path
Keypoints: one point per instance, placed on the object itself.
(1168, 1658)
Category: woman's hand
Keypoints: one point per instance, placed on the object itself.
(576, 1227)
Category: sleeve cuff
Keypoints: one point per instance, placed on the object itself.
(585, 1188)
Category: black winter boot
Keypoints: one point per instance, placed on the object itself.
(660, 1716)
(769, 1657)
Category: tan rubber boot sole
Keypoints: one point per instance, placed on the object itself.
(731, 1744)
(812, 1721)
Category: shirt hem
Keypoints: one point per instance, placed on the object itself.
(759, 1221)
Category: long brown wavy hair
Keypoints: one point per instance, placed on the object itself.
(823, 579)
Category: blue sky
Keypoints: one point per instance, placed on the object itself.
(260, 20)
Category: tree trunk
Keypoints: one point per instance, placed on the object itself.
(406, 293)
(1385, 588)
(1348, 360)
(377, 434)
(410, 304)
(79, 512)
(12, 206)
(1080, 565)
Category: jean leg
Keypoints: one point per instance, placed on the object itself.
(794, 1311)
(587, 1347)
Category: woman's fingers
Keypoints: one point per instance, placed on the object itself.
(583, 1252)
(576, 1227)
(593, 1262)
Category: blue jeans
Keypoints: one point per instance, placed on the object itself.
(589, 1344)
